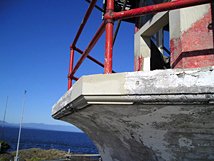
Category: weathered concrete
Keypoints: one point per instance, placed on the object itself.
(163, 115)
(142, 48)
(191, 39)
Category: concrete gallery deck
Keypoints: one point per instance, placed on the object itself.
(161, 115)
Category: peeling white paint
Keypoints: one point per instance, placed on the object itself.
(182, 19)
(160, 119)
(190, 15)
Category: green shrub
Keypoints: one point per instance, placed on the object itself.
(4, 146)
(4, 159)
(35, 159)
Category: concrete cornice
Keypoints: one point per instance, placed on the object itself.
(154, 87)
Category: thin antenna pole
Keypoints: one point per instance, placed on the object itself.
(20, 126)
(5, 111)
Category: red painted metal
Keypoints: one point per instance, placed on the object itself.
(89, 57)
(138, 63)
(75, 78)
(85, 19)
(154, 9)
(109, 38)
(109, 17)
(70, 68)
(138, 59)
(194, 47)
(96, 37)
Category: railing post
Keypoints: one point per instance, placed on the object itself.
(85, 19)
(109, 38)
(70, 68)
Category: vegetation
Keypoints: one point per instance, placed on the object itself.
(4, 146)
(35, 154)
(39, 154)
(6, 157)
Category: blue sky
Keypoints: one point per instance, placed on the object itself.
(35, 36)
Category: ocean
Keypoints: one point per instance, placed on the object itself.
(44, 139)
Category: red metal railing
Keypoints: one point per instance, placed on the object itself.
(108, 25)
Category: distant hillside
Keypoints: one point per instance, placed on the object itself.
(42, 126)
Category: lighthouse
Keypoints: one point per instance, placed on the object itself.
(164, 109)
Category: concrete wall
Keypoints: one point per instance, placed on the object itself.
(142, 46)
(191, 39)
(162, 115)
(149, 132)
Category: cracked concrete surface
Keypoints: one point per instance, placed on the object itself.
(163, 115)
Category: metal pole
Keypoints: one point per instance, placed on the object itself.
(97, 7)
(119, 22)
(96, 37)
(160, 40)
(85, 19)
(75, 78)
(154, 9)
(5, 111)
(20, 127)
(109, 38)
(70, 68)
(89, 57)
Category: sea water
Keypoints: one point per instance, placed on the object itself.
(44, 139)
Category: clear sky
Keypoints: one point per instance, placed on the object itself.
(35, 36)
